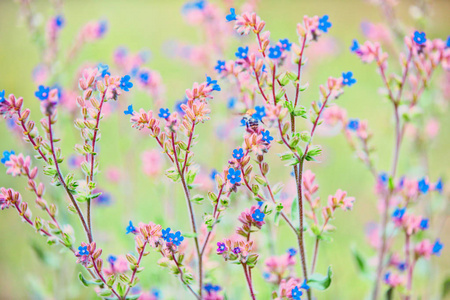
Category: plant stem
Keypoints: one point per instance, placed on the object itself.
(249, 282)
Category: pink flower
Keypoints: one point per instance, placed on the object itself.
(424, 248)
(17, 165)
(152, 162)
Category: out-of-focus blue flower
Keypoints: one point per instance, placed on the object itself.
(275, 52)
(419, 37)
(232, 16)
(324, 24)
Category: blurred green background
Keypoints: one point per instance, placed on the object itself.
(29, 267)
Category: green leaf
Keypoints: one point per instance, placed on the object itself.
(189, 235)
(88, 282)
(319, 281)
(197, 199)
(360, 261)
(133, 297)
(276, 218)
(446, 287)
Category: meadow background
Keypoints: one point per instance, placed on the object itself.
(30, 269)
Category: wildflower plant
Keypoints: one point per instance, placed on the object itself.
(264, 77)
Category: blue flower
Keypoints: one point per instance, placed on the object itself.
(221, 248)
(423, 185)
(353, 124)
(199, 5)
(260, 113)
(304, 285)
(296, 293)
(59, 21)
(209, 81)
(125, 83)
(175, 238)
(243, 122)
(112, 259)
(103, 199)
(285, 45)
(164, 113)
(232, 15)
(213, 174)
(2, 96)
(238, 153)
(398, 213)
(144, 76)
(234, 176)
(209, 288)
(104, 69)
(348, 79)
(258, 215)
(6, 155)
(236, 250)
(266, 136)
(129, 111)
(274, 52)
(102, 28)
(324, 24)
(292, 251)
(439, 186)
(447, 45)
(437, 247)
(383, 178)
(42, 92)
(231, 103)
(355, 46)
(82, 250)
(424, 224)
(402, 266)
(419, 37)
(386, 277)
(242, 52)
(131, 228)
(165, 234)
(220, 66)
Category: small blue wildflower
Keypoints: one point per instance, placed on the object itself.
(258, 215)
(263, 69)
(266, 275)
(398, 213)
(82, 250)
(424, 224)
(447, 44)
(210, 288)
(243, 122)
(198, 5)
(401, 182)
(155, 292)
(125, 83)
(178, 108)
(439, 186)
(6, 155)
(131, 228)
(236, 250)
(437, 247)
(275, 52)
(102, 28)
(144, 76)
(402, 266)
(238, 153)
(59, 21)
(348, 79)
(221, 248)
(103, 69)
(324, 24)
(165, 234)
(296, 293)
(103, 199)
(231, 103)
(220, 66)
(234, 176)
(260, 113)
(423, 185)
(176, 238)
(353, 124)
(285, 45)
(386, 277)
(383, 178)
(164, 113)
(2, 96)
(134, 71)
(213, 174)
(304, 285)
(42, 92)
(260, 203)
(419, 37)
(242, 52)
(112, 259)
(215, 86)
(232, 15)
(355, 46)
(292, 251)
(266, 136)
(129, 110)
